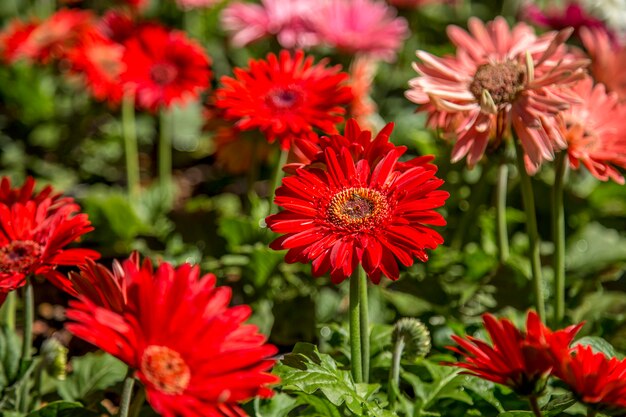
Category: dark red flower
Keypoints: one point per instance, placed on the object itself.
(164, 67)
(285, 97)
(194, 354)
(351, 213)
(117, 26)
(33, 234)
(597, 381)
(521, 361)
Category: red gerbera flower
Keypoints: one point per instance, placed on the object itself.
(13, 38)
(164, 67)
(193, 353)
(521, 361)
(285, 97)
(33, 233)
(25, 193)
(117, 26)
(351, 214)
(597, 381)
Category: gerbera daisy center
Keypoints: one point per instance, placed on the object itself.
(502, 80)
(19, 256)
(163, 73)
(165, 369)
(357, 208)
(283, 98)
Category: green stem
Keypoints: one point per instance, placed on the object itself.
(479, 190)
(501, 189)
(27, 341)
(278, 177)
(253, 173)
(531, 229)
(364, 323)
(127, 394)
(137, 403)
(130, 145)
(534, 405)
(394, 372)
(7, 312)
(165, 155)
(355, 329)
(558, 235)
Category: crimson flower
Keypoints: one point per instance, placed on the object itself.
(13, 38)
(194, 354)
(521, 361)
(351, 213)
(285, 97)
(597, 381)
(164, 67)
(572, 15)
(34, 231)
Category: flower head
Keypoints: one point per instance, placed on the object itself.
(13, 39)
(607, 60)
(367, 27)
(520, 360)
(34, 230)
(285, 97)
(193, 353)
(164, 67)
(500, 78)
(352, 213)
(597, 381)
(595, 129)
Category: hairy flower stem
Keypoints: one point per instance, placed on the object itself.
(27, 340)
(165, 156)
(130, 145)
(127, 394)
(558, 235)
(276, 180)
(364, 323)
(531, 229)
(394, 371)
(137, 402)
(534, 405)
(355, 328)
(7, 311)
(501, 188)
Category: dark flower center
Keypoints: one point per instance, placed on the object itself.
(165, 369)
(163, 73)
(20, 256)
(503, 81)
(283, 98)
(357, 208)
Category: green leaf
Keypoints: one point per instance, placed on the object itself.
(278, 406)
(558, 404)
(594, 249)
(63, 409)
(598, 344)
(516, 414)
(91, 373)
(10, 351)
(310, 372)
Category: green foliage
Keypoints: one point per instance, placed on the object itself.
(91, 374)
(63, 409)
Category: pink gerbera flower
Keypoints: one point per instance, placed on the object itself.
(499, 78)
(596, 131)
(361, 26)
(607, 60)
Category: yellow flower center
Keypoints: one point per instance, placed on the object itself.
(165, 369)
(357, 208)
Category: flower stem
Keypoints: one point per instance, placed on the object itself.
(355, 328)
(127, 394)
(364, 323)
(558, 232)
(27, 340)
(137, 402)
(7, 311)
(531, 229)
(534, 405)
(130, 145)
(394, 372)
(501, 189)
(165, 156)
(278, 177)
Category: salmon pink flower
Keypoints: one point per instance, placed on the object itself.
(608, 60)
(596, 380)
(285, 97)
(499, 78)
(595, 129)
(520, 360)
(368, 27)
(163, 67)
(193, 353)
(351, 213)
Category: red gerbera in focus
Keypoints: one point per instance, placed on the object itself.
(596, 131)
(33, 234)
(521, 361)
(164, 67)
(194, 354)
(597, 381)
(500, 77)
(285, 97)
(351, 213)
